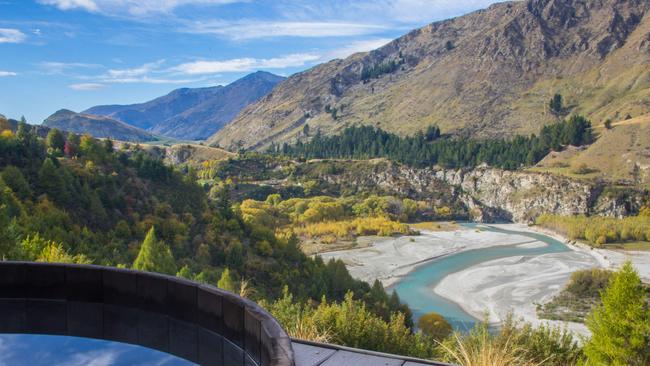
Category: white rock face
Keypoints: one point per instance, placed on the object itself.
(490, 194)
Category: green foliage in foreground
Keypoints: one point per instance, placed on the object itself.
(620, 326)
(515, 344)
(369, 142)
(598, 230)
(155, 256)
(226, 281)
(350, 323)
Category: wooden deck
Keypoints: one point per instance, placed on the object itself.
(315, 354)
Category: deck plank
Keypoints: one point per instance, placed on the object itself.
(307, 355)
(346, 358)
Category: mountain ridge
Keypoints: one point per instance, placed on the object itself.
(97, 126)
(485, 74)
(192, 113)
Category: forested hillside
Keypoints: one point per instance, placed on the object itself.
(77, 199)
(429, 148)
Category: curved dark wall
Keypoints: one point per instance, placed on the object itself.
(196, 322)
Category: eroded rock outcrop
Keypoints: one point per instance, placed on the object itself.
(489, 194)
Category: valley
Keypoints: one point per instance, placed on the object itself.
(475, 191)
(500, 269)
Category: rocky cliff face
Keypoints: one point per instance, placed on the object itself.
(490, 195)
(495, 195)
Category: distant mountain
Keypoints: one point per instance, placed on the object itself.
(490, 73)
(97, 126)
(193, 114)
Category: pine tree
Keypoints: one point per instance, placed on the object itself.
(23, 132)
(556, 103)
(226, 281)
(108, 146)
(155, 256)
(50, 181)
(15, 180)
(55, 140)
(433, 132)
(620, 326)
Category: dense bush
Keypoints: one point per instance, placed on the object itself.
(435, 326)
(598, 230)
(330, 219)
(350, 323)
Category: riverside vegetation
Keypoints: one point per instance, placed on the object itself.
(631, 232)
(69, 198)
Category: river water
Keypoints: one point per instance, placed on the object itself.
(416, 288)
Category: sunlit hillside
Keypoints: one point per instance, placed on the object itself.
(620, 154)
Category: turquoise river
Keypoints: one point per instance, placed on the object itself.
(416, 288)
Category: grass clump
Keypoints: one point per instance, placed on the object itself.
(515, 344)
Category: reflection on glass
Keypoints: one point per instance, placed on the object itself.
(46, 350)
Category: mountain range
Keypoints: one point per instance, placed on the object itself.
(192, 113)
(490, 73)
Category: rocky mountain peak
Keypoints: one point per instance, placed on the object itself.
(488, 73)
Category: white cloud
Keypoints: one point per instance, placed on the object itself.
(357, 46)
(413, 12)
(134, 72)
(150, 80)
(58, 68)
(72, 4)
(7, 73)
(245, 30)
(149, 73)
(245, 64)
(106, 357)
(9, 35)
(130, 7)
(86, 86)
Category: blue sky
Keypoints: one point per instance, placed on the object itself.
(78, 53)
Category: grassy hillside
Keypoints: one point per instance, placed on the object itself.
(620, 154)
(489, 73)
